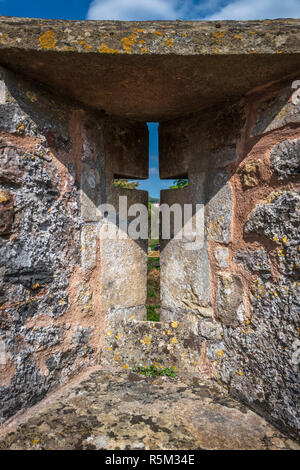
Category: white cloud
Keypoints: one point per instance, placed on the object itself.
(257, 9)
(132, 10)
(192, 10)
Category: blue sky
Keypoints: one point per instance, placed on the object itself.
(152, 10)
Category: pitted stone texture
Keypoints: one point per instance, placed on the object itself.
(255, 261)
(277, 111)
(250, 174)
(130, 343)
(6, 212)
(278, 217)
(26, 112)
(259, 359)
(40, 245)
(285, 158)
(278, 220)
(126, 411)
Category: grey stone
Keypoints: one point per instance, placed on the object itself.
(255, 261)
(221, 256)
(219, 206)
(229, 298)
(285, 158)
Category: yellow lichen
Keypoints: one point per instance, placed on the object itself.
(240, 372)
(3, 197)
(220, 353)
(170, 42)
(125, 366)
(174, 340)
(146, 340)
(86, 45)
(31, 96)
(174, 324)
(238, 36)
(21, 127)
(218, 36)
(144, 50)
(129, 42)
(108, 333)
(158, 33)
(47, 40)
(104, 49)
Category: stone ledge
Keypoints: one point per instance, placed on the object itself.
(167, 344)
(122, 410)
(151, 71)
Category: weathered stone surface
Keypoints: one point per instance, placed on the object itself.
(127, 411)
(221, 256)
(259, 359)
(201, 142)
(131, 343)
(219, 206)
(285, 158)
(255, 261)
(276, 111)
(6, 212)
(229, 299)
(39, 247)
(277, 217)
(167, 69)
(250, 174)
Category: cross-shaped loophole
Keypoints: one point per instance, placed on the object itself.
(153, 185)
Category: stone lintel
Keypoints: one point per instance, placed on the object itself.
(155, 70)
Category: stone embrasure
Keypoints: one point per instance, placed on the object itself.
(74, 101)
(126, 411)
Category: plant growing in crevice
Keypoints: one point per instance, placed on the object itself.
(154, 371)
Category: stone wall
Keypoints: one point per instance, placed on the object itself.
(58, 161)
(242, 286)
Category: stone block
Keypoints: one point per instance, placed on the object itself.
(285, 159)
(131, 343)
(219, 206)
(229, 299)
(221, 257)
(89, 236)
(277, 111)
(249, 174)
